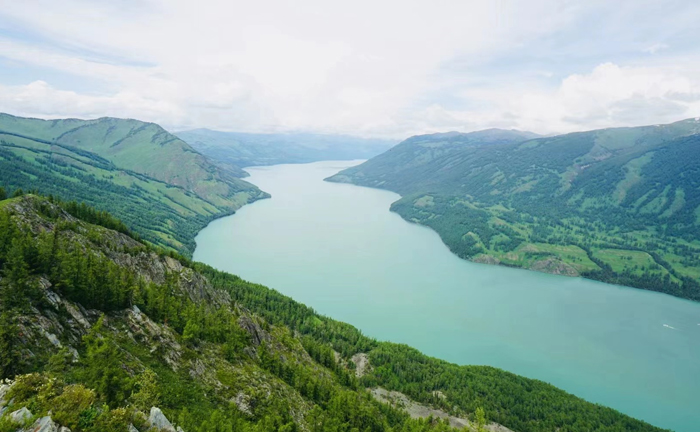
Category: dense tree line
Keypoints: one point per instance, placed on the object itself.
(149, 214)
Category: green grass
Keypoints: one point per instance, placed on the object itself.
(570, 254)
(624, 260)
(156, 183)
(633, 175)
(626, 189)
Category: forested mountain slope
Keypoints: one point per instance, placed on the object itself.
(247, 149)
(161, 187)
(619, 205)
(109, 329)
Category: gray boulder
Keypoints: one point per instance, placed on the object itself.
(21, 415)
(159, 422)
(44, 424)
(4, 388)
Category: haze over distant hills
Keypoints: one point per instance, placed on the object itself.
(247, 149)
(620, 205)
(152, 180)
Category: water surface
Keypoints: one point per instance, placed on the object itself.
(339, 249)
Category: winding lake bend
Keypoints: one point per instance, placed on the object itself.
(337, 248)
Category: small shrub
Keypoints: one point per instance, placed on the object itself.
(68, 407)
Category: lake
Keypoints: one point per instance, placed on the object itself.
(338, 249)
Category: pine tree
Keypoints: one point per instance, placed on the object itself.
(104, 369)
(15, 287)
(9, 346)
(147, 394)
(480, 420)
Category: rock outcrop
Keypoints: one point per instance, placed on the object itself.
(362, 365)
(418, 410)
(160, 423)
(46, 424)
(21, 415)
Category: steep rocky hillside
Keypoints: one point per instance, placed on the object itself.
(101, 332)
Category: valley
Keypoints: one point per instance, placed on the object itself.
(379, 216)
(101, 332)
(338, 249)
(247, 149)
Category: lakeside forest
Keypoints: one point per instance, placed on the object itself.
(103, 315)
(153, 181)
(617, 205)
(135, 326)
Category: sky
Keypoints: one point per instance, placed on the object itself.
(379, 68)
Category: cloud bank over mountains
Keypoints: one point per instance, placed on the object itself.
(389, 68)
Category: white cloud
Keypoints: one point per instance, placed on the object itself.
(40, 99)
(607, 96)
(366, 67)
(653, 49)
(613, 96)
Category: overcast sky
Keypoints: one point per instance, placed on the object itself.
(371, 68)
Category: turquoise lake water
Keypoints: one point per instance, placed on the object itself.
(339, 249)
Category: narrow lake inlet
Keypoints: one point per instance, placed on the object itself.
(338, 249)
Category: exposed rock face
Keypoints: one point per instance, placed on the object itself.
(554, 266)
(257, 334)
(21, 415)
(159, 422)
(362, 365)
(486, 259)
(4, 388)
(417, 410)
(63, 323)
(46, 424)
(242, 401)
(145, 331)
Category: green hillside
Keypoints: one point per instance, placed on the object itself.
(99, 332)
(149, 178)
(618, 205)
(245, 149)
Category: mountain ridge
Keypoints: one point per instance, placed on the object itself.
(162, 187)
(250, 149)
(617, 205)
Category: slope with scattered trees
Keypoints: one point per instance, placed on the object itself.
(155, 182)
(618, 205)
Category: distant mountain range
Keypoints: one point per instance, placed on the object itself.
(246, 149)
(620, 205)
(152, 180)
